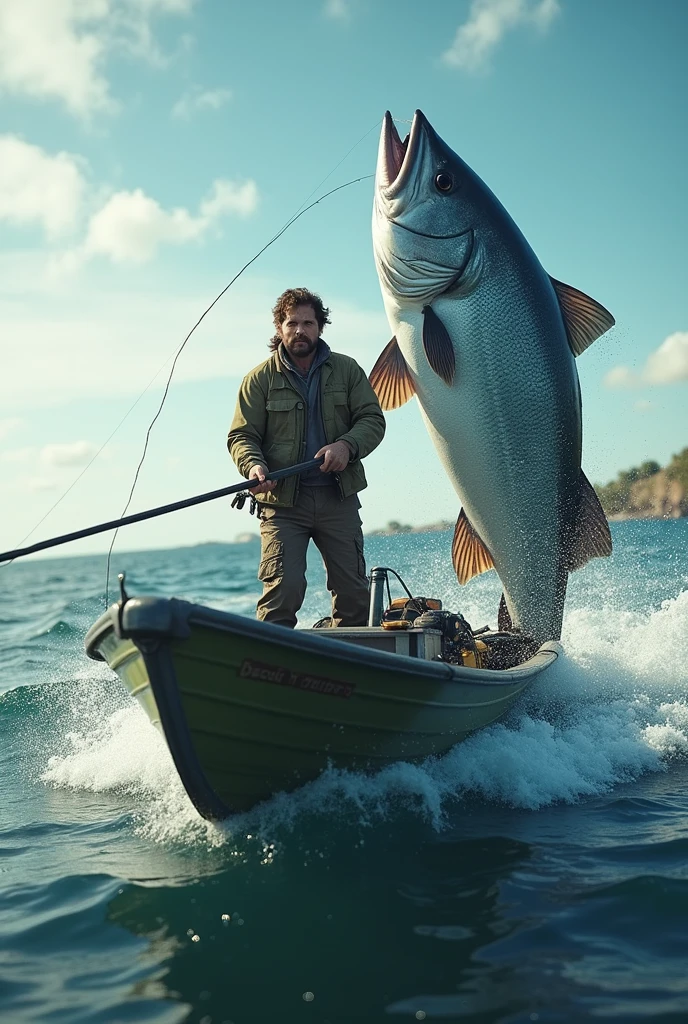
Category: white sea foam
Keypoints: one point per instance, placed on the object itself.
(613, 708)
(102, 749)
(120, 752)
(525, 763)
(652, 648)
(670, 736)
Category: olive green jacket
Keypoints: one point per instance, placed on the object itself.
(269, 425)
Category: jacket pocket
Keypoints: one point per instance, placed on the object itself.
(282, 420)
(337, 403)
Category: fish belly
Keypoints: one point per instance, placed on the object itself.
(508, 435)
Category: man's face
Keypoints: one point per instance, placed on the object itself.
(299, 331)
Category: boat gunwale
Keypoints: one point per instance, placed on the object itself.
(144, 619)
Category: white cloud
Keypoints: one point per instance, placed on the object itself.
(129, 25)
(78, 453)
(131, 225)
(50, 191)
(488, 22)
(53, 50)
(199, 100)
(338, 10)
(37, 188)
(9, 425)
(56, 49)
(666, 365)
(669, 364)
(621, 377)
(230, 197)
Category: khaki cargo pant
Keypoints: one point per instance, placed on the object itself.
(335, 526)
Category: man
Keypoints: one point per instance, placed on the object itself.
(306, 401)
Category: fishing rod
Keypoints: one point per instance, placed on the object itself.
(292, 220)
(152, 513)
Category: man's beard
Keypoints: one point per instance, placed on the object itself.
(301, 346)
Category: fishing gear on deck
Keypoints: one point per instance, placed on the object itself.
(152, 513)
(460, 644)
(402, 612)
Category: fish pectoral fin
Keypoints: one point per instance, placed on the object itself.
(590, 536)
(438, 346)
(504, 616)
(391, 378)
(584, 318)
(469, 554)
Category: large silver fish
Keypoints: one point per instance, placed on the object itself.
(486, 340)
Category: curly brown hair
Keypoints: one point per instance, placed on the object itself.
(289, 300)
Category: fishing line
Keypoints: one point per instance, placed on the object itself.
(153, 379)
(298, 213)
(159, 371)
(292, 220)
(376, 125)
(87, 466)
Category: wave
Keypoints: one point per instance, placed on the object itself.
(52, 626)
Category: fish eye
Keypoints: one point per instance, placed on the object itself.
(444, 182)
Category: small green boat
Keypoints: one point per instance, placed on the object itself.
(249, 709)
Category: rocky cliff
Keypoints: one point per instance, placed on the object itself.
(648, 491)
(657, 497)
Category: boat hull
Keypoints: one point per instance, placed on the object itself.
(249, 709)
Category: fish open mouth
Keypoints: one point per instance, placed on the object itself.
(396, 155)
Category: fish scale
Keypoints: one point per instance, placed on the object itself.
(508, 427)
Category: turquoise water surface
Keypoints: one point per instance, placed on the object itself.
(537, 872)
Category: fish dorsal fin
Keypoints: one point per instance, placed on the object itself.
(391, 378)
(590, 536)
(469, 554)
(584, 318)
(438, 346)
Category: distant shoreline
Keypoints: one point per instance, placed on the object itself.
(393, 529)
(449, 527)
(647, 491)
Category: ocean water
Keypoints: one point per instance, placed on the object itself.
(537, 872)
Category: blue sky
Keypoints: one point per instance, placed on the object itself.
(149, 148)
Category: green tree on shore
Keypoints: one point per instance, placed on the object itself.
(615, 495)
(678, 468)
(393, 526)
